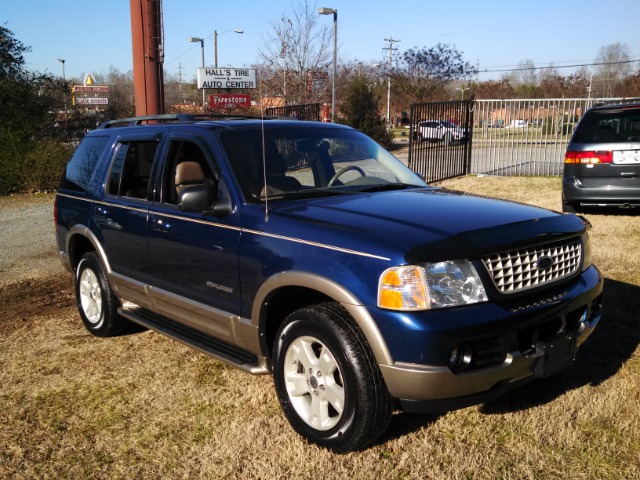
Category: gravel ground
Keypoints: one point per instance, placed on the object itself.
(28, 247)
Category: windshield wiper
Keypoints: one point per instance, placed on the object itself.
(307, 193)
(385, 187)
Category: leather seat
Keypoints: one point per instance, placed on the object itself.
(188, 174)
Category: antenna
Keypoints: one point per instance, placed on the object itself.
(264, 156)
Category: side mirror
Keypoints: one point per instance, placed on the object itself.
(197, 198)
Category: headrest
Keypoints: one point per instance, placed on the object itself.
(189, 173)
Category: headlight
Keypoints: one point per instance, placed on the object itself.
(432, 285)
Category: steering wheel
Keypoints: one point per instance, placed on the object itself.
(345, 170)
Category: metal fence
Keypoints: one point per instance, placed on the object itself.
(440, 139)
(310, 112)
(526, 136)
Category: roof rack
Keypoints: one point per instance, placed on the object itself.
(173, 117)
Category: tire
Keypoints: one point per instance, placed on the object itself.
(569, 207)
(97, 304)
(327, 380)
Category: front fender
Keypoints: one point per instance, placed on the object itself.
(332, 290)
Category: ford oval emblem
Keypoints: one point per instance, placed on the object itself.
(544, 263)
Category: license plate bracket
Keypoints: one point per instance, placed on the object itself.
(555, 354)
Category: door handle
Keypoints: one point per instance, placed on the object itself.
(98, 210)
(160, 225)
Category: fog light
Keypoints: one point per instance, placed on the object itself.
(460, 358)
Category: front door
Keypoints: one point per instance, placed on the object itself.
(193, 257)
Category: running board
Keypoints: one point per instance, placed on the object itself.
(218, 349)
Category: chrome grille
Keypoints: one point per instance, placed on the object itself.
(535, 266)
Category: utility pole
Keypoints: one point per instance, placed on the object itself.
(180, 74)
(148, 56)
(391, 49)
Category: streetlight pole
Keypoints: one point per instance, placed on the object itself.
(462, 90)
(215, 44)
(201, 40)
(64, 80)
(61, 60)
(329, 11)
(589, 97)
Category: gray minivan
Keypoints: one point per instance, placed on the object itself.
(602, 164)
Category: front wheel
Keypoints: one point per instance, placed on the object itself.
(327, 380)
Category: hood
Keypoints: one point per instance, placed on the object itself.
(426, 224)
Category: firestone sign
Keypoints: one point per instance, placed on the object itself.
(226, 78)
(227, 100)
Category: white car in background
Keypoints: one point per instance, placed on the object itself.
(440, 130)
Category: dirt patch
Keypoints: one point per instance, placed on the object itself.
(24, 301)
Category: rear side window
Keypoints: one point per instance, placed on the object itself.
(80, 168)
(131, 168)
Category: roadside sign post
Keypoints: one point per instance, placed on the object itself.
(225, 78)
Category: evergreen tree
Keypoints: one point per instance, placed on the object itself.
(360, 109)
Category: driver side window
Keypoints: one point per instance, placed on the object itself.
(186, 165)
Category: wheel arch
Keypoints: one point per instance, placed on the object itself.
(287, 292)
(80, 240)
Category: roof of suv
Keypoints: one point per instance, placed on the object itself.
(616, 106)
(190, 119)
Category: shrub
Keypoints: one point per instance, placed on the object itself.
(31, 167)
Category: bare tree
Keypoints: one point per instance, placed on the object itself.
(296, 55)
(614, 66)
(526, 72)
(548, 72)
(420, 74)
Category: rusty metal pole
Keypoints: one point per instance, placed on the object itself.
(146, 35)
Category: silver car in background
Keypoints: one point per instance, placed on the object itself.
(440, 130)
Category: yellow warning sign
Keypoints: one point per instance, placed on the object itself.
(88, 79)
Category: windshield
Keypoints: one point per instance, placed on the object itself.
(312, 161)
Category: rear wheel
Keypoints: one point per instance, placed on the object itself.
(327, 380)
(97, 304)
(569, 207)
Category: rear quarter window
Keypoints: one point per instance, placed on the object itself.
(80, 168)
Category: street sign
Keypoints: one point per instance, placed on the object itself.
(87, 88)
(230, 100)
(91, 101)
(226, 78)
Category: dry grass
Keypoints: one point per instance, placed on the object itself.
(143, 406)
(22, 200)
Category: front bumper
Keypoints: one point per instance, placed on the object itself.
(436, 388)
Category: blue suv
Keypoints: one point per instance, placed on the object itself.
(307, 251)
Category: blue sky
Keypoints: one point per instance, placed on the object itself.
(92, 35)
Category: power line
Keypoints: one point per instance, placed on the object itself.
(560, 66)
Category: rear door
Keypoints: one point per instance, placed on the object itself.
(121, 218)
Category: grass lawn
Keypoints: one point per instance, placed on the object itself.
(143, 406)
